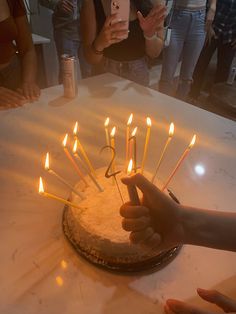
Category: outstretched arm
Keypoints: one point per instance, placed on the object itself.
(173, 223)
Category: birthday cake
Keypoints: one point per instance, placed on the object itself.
(96, 228)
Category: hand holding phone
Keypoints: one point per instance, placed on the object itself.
(122, 10)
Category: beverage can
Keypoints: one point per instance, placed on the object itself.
(69, 75)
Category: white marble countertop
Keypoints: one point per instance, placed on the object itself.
(33, 278)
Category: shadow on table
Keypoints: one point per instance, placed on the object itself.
(60, 101)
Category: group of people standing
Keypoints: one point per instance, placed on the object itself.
(103, 43)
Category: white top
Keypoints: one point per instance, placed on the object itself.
(190, 3)
(39, 271)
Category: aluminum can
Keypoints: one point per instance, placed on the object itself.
(69, 75)
(231, 76)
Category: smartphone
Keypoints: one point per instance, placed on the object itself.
(122, 9)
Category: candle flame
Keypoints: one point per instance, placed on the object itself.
(41, 188)
(107, 122)
(64, 264)
(75, 131)
(149, 122)
(130, 167)
(192, 141)
(130, 119)
(59, 281)
(46, 165)
(65, 140)
(171, 129)
(134, 131)
(75, 146)
(113, 131)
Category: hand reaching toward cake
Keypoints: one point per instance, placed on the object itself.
(161, 222)
(150, 223)
(225, 303)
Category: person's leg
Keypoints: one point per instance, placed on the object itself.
(172, 53)
(224, 60)
(201, 67)
(191, 51)
(71, 48)
(59, 48)
(85, 67)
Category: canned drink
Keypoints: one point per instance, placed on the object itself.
(69, 75)
(231, 76)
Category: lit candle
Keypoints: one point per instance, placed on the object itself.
(127, 140)
(62, 200)
(106, 125)
(81, 162)
(133, 148)
(47, 168)
(171, 133)
(76, 128)
(149, 124)
(112, 139)
(132, 191)
(71, 159)
(83, 152)
(180, 162)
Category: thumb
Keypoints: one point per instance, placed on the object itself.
(215, 297)
(141, 182)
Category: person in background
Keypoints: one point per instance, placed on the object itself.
(162, 223)
(221, 36)
(188, 22)
(17, 56)
(66, 32)
(110, 46)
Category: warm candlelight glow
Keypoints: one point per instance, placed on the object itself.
(41, 188)
(149, 122)
(130, 119)
(130, 167)
(171, 129)
(113, 131)
(59, 281)
(47, 162)
(192, 141)
(64, 264)
(75, 146)
(134, 131)
(75, 131)
(107, 122)
(65, 140)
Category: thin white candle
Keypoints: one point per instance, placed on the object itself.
(186, 152)
(149, 124)
(127, 140)
(62, 180)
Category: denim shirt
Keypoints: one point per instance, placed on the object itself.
(66, 23)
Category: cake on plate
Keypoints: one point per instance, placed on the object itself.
(96, 230)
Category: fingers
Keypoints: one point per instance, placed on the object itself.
(176, 306)
(12, 98)
(30, 91)
(137, 224)
(128, 211)
(141, 182)
(213, 296)
(141, 236)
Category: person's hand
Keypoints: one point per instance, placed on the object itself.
(66, 6)
(209, 35)
(226, 304)
(154, 21)
(112, 32)
(209, 18)
(10, 99)
(157, 222)
(30, 91)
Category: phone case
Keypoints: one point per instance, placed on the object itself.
(121, 8)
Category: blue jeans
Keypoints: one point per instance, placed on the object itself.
(135, 70)
(64, 45)
(187, 39)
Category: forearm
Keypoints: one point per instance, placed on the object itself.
(210, 228)
(212, 4)
(29, 66)
(91, 56)
(154, 47)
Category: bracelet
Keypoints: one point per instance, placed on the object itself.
(97, 52)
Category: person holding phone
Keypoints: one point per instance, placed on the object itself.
(115, 45)
(17, 56)
(162, 223)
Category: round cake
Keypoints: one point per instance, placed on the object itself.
(96, 228)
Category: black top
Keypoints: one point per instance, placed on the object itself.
(128, 49)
